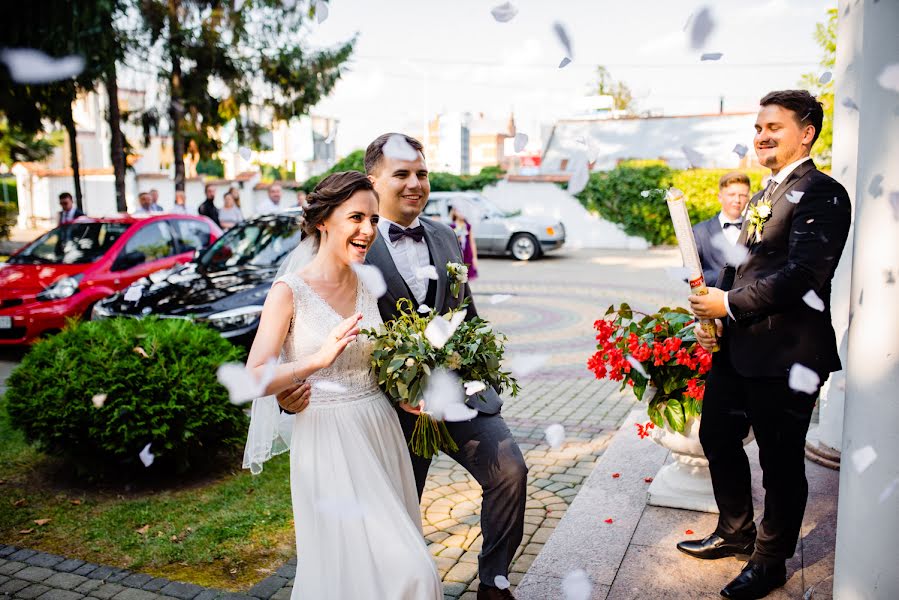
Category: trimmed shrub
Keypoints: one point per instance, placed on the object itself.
(8, 215)
(616, 195)
(211, 166)
(160, 386)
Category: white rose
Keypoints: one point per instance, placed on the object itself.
(764, 211)
(410, 362)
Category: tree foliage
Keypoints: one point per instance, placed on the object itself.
(622, 97)
(826, 37)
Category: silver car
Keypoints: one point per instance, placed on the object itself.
(497, 232)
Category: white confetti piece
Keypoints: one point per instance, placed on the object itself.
(329, 387)
(445, 399)
(501, 582)
(711, 56)
(564, 62)
(440, 330)
(576, 586)
(701, 25)
(579, 178)
(794, 196)
(875, 188)
(694, 158)
(564, 38)
(803, 379)
(99, 400)
(398, 148)
(30, 66)
(849, 103)
(426, 272)
(813, 300)
(424, 308)
(134, 293)
(894, 204)
(245, 153)
(863, 458)
(473, 387)
(521, 141)
(555, 435)
(889, 77)
(825, 77)
(146, 456)
(289, 4)
(734, 254)
(240, 382)
(645, 193)
(888, 491)
(371, 278)
(740, 150)
(522, 365)
(321, 11)
(499, 298)
(637, 366)
(503, 13)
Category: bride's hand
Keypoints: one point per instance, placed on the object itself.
(338, 340)
(413, 410)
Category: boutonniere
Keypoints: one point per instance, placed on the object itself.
(756, 217)
(457, 274)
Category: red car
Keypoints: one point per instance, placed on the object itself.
(64, 272)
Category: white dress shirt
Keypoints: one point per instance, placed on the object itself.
(67, 216)
(267, 207)
(730, 233)
(409, 256)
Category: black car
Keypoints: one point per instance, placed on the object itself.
(224, 286)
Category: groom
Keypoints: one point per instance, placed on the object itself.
(406, 243)
(776, 311)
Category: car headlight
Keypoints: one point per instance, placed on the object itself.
(100, 312)
(61, 288)
(235, 318)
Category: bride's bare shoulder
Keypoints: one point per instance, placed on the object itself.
(280, 296)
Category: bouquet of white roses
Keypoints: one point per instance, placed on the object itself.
(409, 349)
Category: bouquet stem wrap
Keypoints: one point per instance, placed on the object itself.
(683, 229)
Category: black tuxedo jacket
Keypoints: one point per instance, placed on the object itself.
(773, 328)
(710, 257)
(78, 213)
(443, 248)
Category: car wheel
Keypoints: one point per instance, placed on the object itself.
(524, 246)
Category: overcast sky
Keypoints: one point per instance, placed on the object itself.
(415, 58)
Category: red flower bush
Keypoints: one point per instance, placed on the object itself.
(658, 350)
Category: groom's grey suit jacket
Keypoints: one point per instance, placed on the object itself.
(443, 248)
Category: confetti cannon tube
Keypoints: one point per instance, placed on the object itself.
(677, 206)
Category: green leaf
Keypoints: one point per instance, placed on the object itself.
(674, 414)
(625, 311)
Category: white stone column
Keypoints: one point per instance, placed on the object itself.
(868, 515)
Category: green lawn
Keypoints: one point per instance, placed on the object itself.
(226, 530)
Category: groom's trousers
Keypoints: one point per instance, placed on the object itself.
(779, 417)
(487, 451)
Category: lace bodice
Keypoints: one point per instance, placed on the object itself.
(349, 377)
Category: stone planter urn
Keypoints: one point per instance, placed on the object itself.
(685, 482)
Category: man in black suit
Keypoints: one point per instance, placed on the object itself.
(68, 211)
(774, 329)
(713, 235)
(207, 208)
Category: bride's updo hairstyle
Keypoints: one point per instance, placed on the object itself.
(331, 192)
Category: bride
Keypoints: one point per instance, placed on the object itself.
(355, 506)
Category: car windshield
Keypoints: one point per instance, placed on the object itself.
(489, 208)
(257, 244)
(71, 244)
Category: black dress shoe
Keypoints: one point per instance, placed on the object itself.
(715, 546)
(756, 581)
(486, 592)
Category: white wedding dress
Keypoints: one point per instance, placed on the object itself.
(355, 505)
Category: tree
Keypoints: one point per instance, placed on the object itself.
(826, 36)
(18, 145)
(622, 97)
(222, 64)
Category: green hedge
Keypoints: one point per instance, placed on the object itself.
(616, 196)
(211, 166)
(159, 377)
(8, 214)
(8, 187)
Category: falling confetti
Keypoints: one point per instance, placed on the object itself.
(521, 141)
(647, 479)
(850, 104)
(30, 66)
(240, 382)
(564, 62)
(825, 77)
(579, 178)
(444, 398)
(504, 13)
(616, 475)
(245, 153)
(398, 148)
(473, 387)
(694, 158)
(576, 586)
(875, 188)
(372, 278)
(140, 352)
(555, 435)
(499, 298)
(689, 532)
(863, 458)
(888, 491)
(894, 204)
(701, 25)
(711, 56)
(803, 379)
(734, 254)
(610, 521)
(41, 522)
(146, 456)
(889, 77)
(424, 308)
(98, 400)
(440, 330)
(426, 272)
(740, 150)
(645, 193)
(813, 300)
(794, 196)
(523, 365)
(501, 582)
(637, 366)
(321, 11)
(134, 293)
(564, 38)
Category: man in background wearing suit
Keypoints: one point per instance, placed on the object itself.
(68, 211)
(724, 228)
(777, 325)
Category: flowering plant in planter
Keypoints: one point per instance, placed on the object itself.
(656, 350)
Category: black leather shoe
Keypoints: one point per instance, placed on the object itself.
(486, 592)
(756, 581)
(714, 546)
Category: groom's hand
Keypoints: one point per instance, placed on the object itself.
(295, 398)
(413, 410)
(706, 340)
(709, 306)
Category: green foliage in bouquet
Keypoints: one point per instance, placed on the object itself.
(403, 360)
(98, 392)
